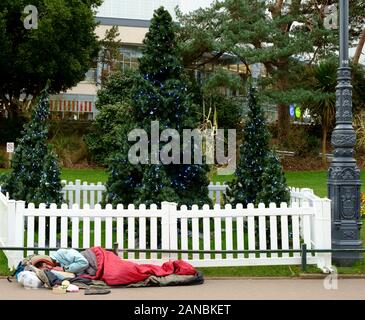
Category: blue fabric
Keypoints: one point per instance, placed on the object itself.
(70, 260)
(58, 275)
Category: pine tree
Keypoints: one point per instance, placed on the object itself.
(160, 93)
(274, 187)
(259, 176)
(36, 175)
(283, 36)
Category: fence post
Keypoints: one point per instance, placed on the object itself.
(11, 223)
(19, 230)
(3, 218)
(78, 192)
(15, 231)
(165, 229)
(173, 230)
(322, 225)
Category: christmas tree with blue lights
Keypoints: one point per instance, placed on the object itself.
(259, 177)
(161, 94)
(35, 176)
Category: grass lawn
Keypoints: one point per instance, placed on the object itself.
(316, 180)
(89, 175)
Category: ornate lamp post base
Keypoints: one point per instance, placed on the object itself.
(344, 178)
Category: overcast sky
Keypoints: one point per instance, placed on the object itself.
(190, 5)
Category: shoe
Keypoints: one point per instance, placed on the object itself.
(96, 291)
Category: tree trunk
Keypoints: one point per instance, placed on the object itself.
(283, 122)
(359, 48)
(324, 145)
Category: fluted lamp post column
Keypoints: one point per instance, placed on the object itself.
(344, 175)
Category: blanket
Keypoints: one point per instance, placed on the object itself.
(114, 271)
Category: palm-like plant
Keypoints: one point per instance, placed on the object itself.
(322, 103)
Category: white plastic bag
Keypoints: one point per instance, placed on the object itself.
(29, 280)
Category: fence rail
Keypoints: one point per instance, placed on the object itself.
(92, 193)
(191, 234)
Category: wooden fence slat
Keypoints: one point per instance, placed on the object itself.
(195, 233)
(284, 232)
(64, 228)
(217, 232)
(97, 227)
(42, 229)
(30, 229)
(120, 227)
(109, 227)
(206, 233)
(85, 194)
(295, 230)
(184, 233)
(78, 192)
(240, 233)
(307, 228)
(251, 231)
(71, 195)
(99, 193)
(131, 234)
(92, 196)
(53, 227)
(229, 232)
(142, 233)
(262, 232)
(273, 234)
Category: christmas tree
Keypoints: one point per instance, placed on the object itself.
(36, 175)
(274, 187)
(160, 93)
(259, 176)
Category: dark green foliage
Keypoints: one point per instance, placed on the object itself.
(61, 49)
(303, 140)
(259, 176)
(115, 119)
(160, 93)
(35, 176)
(274, 187)
(117, 88)
(11, 128)
(109, 131)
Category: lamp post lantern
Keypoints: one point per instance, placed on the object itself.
(344, 175)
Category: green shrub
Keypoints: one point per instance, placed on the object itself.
(301, 141)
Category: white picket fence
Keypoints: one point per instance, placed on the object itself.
(92, 193)
(307, 219)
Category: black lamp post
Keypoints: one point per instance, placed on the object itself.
(344, 175)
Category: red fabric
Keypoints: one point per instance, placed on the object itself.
(115, 271)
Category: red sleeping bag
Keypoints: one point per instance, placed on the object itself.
(115, 271)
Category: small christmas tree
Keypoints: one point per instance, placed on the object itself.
(274, 187)
(36, 175)
(259, 176)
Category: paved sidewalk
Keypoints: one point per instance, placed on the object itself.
(211, 290)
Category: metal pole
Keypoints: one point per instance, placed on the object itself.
(344, 175)
(304, 257)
